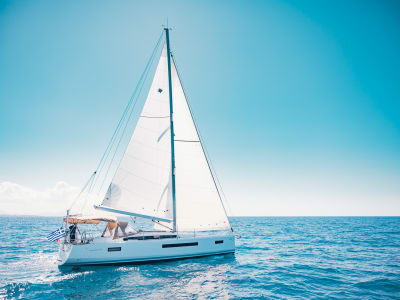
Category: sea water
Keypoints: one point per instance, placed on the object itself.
(276, 258)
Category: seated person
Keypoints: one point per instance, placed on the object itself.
(123, 226)
(110, 226)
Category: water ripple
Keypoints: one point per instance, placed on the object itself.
(276, 258)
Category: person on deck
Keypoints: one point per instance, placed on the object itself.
(72, 232)
(110, 226)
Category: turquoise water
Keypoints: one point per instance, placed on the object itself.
(276, 258)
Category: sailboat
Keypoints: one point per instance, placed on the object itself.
(164, 176)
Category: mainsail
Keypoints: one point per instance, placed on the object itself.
(142, 183)
(142, 177)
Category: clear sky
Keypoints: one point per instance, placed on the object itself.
(298, 101)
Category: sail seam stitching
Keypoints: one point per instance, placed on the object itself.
(151, 117)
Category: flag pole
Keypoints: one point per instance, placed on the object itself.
(66, 225)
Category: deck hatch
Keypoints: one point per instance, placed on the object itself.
(180, 245)
(114, 249)
(219, 242)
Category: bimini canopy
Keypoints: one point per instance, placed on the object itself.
(92, 219)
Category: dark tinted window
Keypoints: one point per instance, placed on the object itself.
(180, 245)
(150, 237)
(114, 249)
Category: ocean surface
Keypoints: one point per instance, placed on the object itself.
(276, 258)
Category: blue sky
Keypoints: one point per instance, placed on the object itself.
(298, 101)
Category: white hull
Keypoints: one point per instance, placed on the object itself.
(108, 251)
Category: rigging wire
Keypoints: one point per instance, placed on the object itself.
(212, 169)
(139, 86)
(122, 119)
(84, 187)
(129, 108)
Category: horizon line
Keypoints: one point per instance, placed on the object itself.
(249, 216)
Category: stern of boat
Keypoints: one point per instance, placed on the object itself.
(63, 253)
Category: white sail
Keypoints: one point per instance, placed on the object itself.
(198, 205)
(142, 183)
(142, 178)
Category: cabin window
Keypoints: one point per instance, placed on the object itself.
(180, 245)
(219, 242)
(114, 249)
(149, 237)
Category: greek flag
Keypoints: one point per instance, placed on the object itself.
(55, 235)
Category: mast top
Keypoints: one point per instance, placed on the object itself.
(166, 26)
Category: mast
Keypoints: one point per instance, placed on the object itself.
(171, 111)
